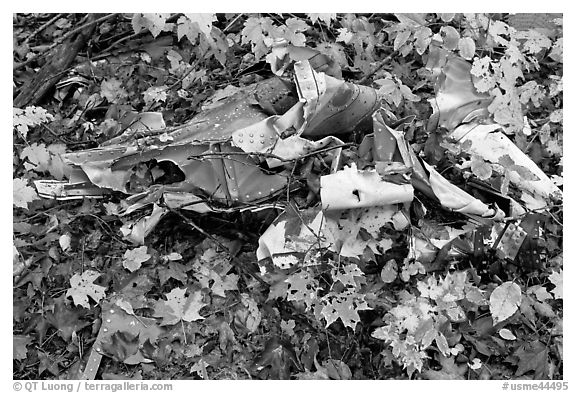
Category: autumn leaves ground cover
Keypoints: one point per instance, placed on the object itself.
(206, 306)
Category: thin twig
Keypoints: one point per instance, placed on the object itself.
(267, 155)
(63, 38)
(101, 19)
(171, 19)
(382, 64)
(41, 28)
(232, 23)
(202, 231)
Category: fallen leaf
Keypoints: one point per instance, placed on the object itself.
(200, 368)
(120, 345)
(540, 292)
(82, 287)
(506, 334)
(248, 316)
(279, 355)
(19, 344)
(178, 307)
(556, 278)
(344, 306)
(22, 193)
(134, 258)
(476, 364)
(337, 369)
(504, 301)
(64, 241)
(224, 283)
(449, 370)
(64, 318)
(112, 90)
(48, 363)
(533, 357)
(390, 271)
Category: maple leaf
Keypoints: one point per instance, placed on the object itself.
(556, 278)
(82, 287)
(184, 28)
(200, 368)
(178, 307)
(64, 318)
(557, 52)
(504, 301)
(174, 270)
(344, 306)
(120, 345)
(112, 90)
(326, 17)
(254, 32)
(485, 80)
(225, 283)
(155, 94)
(19, 344)
(532, 91)
(38, 156)
(533, 356)
(350, 276)
(535, 41)
(41, 158)
(345, 35)
(293, 32)
(22, 193)
(155, 22)
(47, 362)
(302, 287)
(203, 20)
(31, 116)
(133, 259)
(288, 327)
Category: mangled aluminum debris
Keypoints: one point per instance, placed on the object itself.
(219, 160)
(209, 152)
(461, 110)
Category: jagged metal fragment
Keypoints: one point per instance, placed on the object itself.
(209, 152)
(388, 145)
(456, 100)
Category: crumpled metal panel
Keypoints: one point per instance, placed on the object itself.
(388, 145)
(249, 106)
(210, 150)
(457, 101)
(489, 142)
(333, 106)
